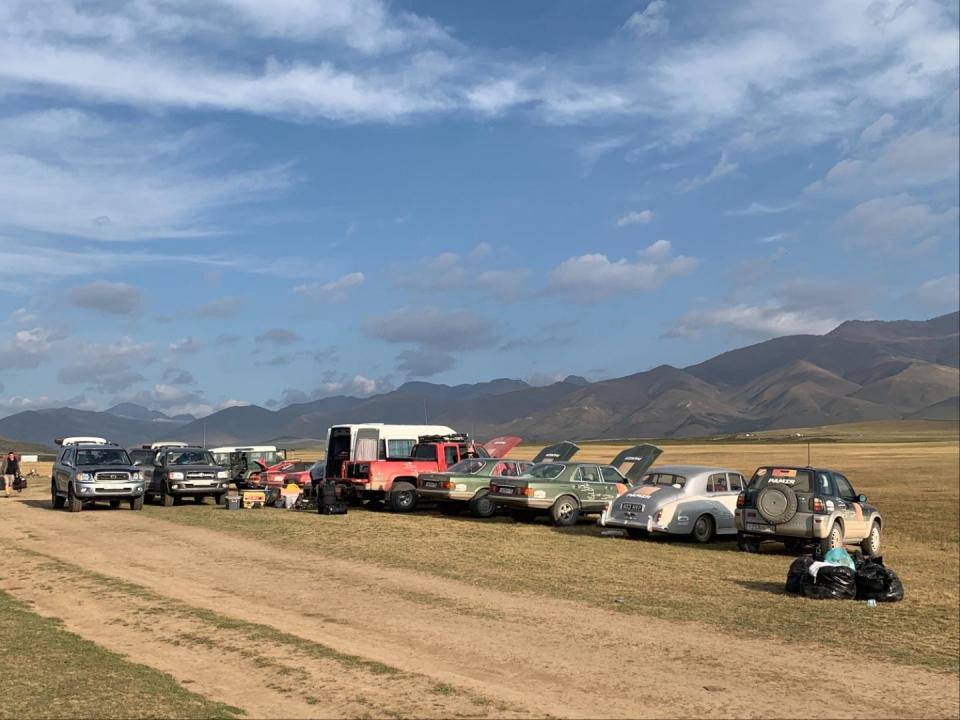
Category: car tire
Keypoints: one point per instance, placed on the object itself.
(565, 511)
(483, 506)
(403, 497)
(522, 516)
(833, 540)
(114, 504)
(777, 504)
(747, 544)
(449, 508)
(870, 545)
(703, 529)
(137, 503)
(638, 533)
(56, 501)
(74, 504)
(219, 498)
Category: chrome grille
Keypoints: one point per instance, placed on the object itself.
(112, 476)
(200, 475)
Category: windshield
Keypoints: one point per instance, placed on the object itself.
(664, 479)
(467, 467)
(547, 471)
(189, 457)
(103, 456)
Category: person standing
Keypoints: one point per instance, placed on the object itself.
(11, 469)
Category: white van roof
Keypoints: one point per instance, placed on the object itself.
(244, 448)
(76, 440)
(388, 431)
(166, 443)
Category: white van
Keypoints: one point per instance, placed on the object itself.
(76, 440)
(373, 441)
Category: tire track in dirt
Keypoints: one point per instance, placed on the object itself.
(532, 654)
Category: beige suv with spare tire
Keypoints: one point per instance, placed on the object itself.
(802, 506)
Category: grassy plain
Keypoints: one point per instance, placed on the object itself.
(914, 483)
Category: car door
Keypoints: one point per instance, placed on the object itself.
(614, 484)
(723, 500)
(587, 484)
(855, 525)
(63, 470)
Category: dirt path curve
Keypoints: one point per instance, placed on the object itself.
(491, 652)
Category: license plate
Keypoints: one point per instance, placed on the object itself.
(506, 491)
(757, 527)
(429, 484)
(632, 507)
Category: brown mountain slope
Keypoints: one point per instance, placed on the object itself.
(916, 386)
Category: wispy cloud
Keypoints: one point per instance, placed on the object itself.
(756, 208)
(633, 218)
(722, 169)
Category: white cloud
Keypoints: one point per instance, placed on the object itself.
(107, 367)
(450, 272)
(333, 291)
(938, 293)
(187, 346)
(722, 169)
(109, 298)
(593, 278)
(897, 224)
(27, 349)
(759, 209)
(633, 217)
(765, 320)
(775, 237)
(877, 129)
(652, 20)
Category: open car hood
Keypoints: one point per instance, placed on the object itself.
(500, 446)
(560, 452)
(639, 458)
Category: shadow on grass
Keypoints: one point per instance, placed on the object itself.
(773, 588)
(87, 507)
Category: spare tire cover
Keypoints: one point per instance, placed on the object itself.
(777, 503)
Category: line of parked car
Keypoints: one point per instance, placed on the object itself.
(398, 466)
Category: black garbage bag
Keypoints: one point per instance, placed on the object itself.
(798, 568)
(877, 582)
(833, 582)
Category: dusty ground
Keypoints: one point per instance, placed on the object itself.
(317, 629)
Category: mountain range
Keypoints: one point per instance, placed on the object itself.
(862, 370)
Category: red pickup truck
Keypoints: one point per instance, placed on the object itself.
(394, 480)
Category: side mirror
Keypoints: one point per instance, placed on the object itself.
(861, 498)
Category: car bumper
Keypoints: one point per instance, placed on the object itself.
(108, 491)
(198, 487)
(637, 523)
(444, 495)
(512, 501)
(800, 527)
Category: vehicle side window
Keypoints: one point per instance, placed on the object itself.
(68, 457)
(400, 448)
(612, 475)
(590, 473)
(823, 484)
(523, 468)
(844, 489)
(717, 483)
(736, 482)
(451, 455)
(504, 469)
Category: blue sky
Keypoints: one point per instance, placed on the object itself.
(230, 202)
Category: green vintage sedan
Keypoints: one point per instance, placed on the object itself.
(466, 485)
(565, 490)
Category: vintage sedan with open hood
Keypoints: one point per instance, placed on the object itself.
(565, 490)
(689, 500)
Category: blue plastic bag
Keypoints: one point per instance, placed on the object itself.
(839, 556)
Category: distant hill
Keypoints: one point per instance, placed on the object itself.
(133, 411)
(859, 372)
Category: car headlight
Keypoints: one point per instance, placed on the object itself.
(85, 477)
(176, 476)
(135, 476)
(223, 475)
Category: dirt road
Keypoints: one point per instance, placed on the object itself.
(312, 636)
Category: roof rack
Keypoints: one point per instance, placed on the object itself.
(454, 438)
(78, 439)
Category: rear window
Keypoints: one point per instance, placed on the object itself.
(546, 471)
(664, 479)
(467, 467)
(797, 479)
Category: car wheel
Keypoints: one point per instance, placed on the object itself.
(483, 506)
(638, 533)
(870, 545)
(833, 540)
(114, 504)
(56, 500)
(747, 544)
(136, 503)
(74, 504)
(777, 504)
(219, 498)
(703, 529)
(403, 497)
(522, 516)
(448, 508)
(565, 511)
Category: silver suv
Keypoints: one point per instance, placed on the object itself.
(86, 472)
(801, 506)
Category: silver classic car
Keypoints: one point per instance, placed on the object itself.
(679, 499)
